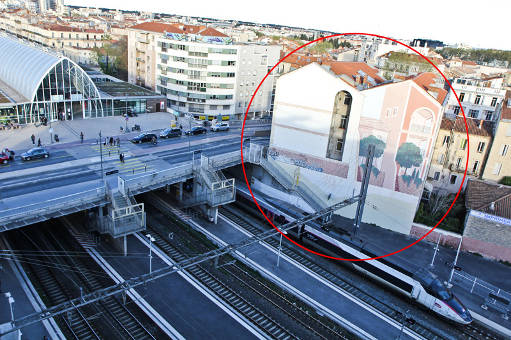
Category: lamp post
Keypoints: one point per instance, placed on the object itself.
(280, 247)
(449, 284)
(11, 304)
(101, 156)
(189, 132)
(436, 250)
(151, 240)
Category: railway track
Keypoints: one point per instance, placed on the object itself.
(472, 331)
(251, 312)
(235, 217)
(69, 274)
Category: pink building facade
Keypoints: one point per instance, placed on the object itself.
(322, 126)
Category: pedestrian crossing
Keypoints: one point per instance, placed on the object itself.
(111, 151)
(132, 166)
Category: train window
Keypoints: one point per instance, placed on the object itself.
(439, 290)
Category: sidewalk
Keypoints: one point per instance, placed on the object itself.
(69, 131)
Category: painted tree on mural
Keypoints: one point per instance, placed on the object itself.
(408, 155)
(379, 147)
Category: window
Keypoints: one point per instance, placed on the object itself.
(441, 158)
(339, 144)
(475, 167)
(436, 177)
(446, 140)
(473, 113)
(458, 162)
(344, 122)
(480, 147)
(496, 168)
(462, 96)
(504, 150)
(226, 107)
(463, 144)
(478, 99)
(212, 107)
(453, 179)
(489, 115)
(456, 110)
(494, 101)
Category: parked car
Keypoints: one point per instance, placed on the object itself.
(220, 127)
(35, 153)
(171, 132)
(144, 137)
(196, 130)
(4, 158)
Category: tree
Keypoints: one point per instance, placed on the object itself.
(408, 155)
(379, 146)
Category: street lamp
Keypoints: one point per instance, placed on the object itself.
(280, 246)
(151, 240)
(101, 156)
(436, 250)
(11, 303)
(449, 284)
(189, 131)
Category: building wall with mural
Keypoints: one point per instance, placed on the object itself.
(400, 119)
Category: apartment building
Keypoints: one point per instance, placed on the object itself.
(74, 42)
(498, 165)
(479, 97)
(450, 153)
(200, 70)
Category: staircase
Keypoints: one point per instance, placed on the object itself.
(125, 215)
(303, 190)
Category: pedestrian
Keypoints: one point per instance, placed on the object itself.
(120, 157)
(81, 137)
(106, 138)
(33, 139)
(39, 142)
(118, 142)
(180, 127)
(111, 141)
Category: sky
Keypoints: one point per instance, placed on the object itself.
(476, 23)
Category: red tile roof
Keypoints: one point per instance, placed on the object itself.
(474, 126)
(479, 195)
(161, 27)
(426, 80)
(298, 60)
(352, 69)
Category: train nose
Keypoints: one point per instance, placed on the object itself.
(467, 318)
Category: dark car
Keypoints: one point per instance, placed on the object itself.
(35, 153)
(145, 137)
(196, 130)
(171, 132)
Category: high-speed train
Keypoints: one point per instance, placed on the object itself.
(415, 282)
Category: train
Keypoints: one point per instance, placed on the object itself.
(414, 282)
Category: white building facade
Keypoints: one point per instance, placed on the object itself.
(209, 77)
(479, 97)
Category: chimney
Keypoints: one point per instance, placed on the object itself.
(481, 123)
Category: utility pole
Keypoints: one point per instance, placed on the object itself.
(151, 240)
(363, 190)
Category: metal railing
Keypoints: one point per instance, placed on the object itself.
(478, 286)
(53, 205)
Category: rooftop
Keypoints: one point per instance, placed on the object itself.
(359, 72)
(123, 89)
(480, 195)
(160, 27)
(427, 81)
(475, 126)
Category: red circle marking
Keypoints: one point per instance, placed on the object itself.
(333, 257)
